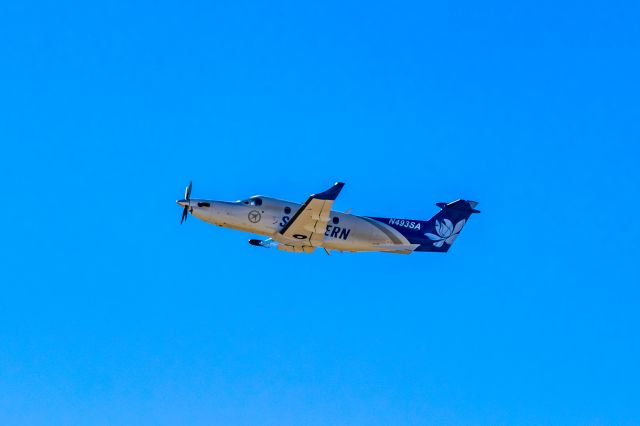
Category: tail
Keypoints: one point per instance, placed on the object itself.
(438, 233)
(442, 229)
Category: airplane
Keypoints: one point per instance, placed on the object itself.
(301, 228)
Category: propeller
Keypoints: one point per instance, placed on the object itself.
(187, 198)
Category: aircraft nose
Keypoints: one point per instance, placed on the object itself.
(183, 203)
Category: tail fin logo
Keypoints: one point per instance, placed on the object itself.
(447, 233)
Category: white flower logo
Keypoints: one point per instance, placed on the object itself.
(447, 233)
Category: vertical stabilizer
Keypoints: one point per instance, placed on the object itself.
(443, 229)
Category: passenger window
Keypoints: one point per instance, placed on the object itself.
(287, 210)
(336, 220)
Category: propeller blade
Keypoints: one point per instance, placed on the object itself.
(187, 192)
(185, 214)
(187, 198)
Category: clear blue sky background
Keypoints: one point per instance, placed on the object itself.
(112, 313)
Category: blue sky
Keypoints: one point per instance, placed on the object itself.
(113, 313)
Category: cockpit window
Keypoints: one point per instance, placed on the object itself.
(203, 204)
(253, 201)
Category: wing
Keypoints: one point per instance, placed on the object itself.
(308, 225)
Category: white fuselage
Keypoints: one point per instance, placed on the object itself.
(268, 216)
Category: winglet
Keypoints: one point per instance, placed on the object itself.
(330, 194)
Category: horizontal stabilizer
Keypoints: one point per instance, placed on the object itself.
(397, 248)
(462, 205)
